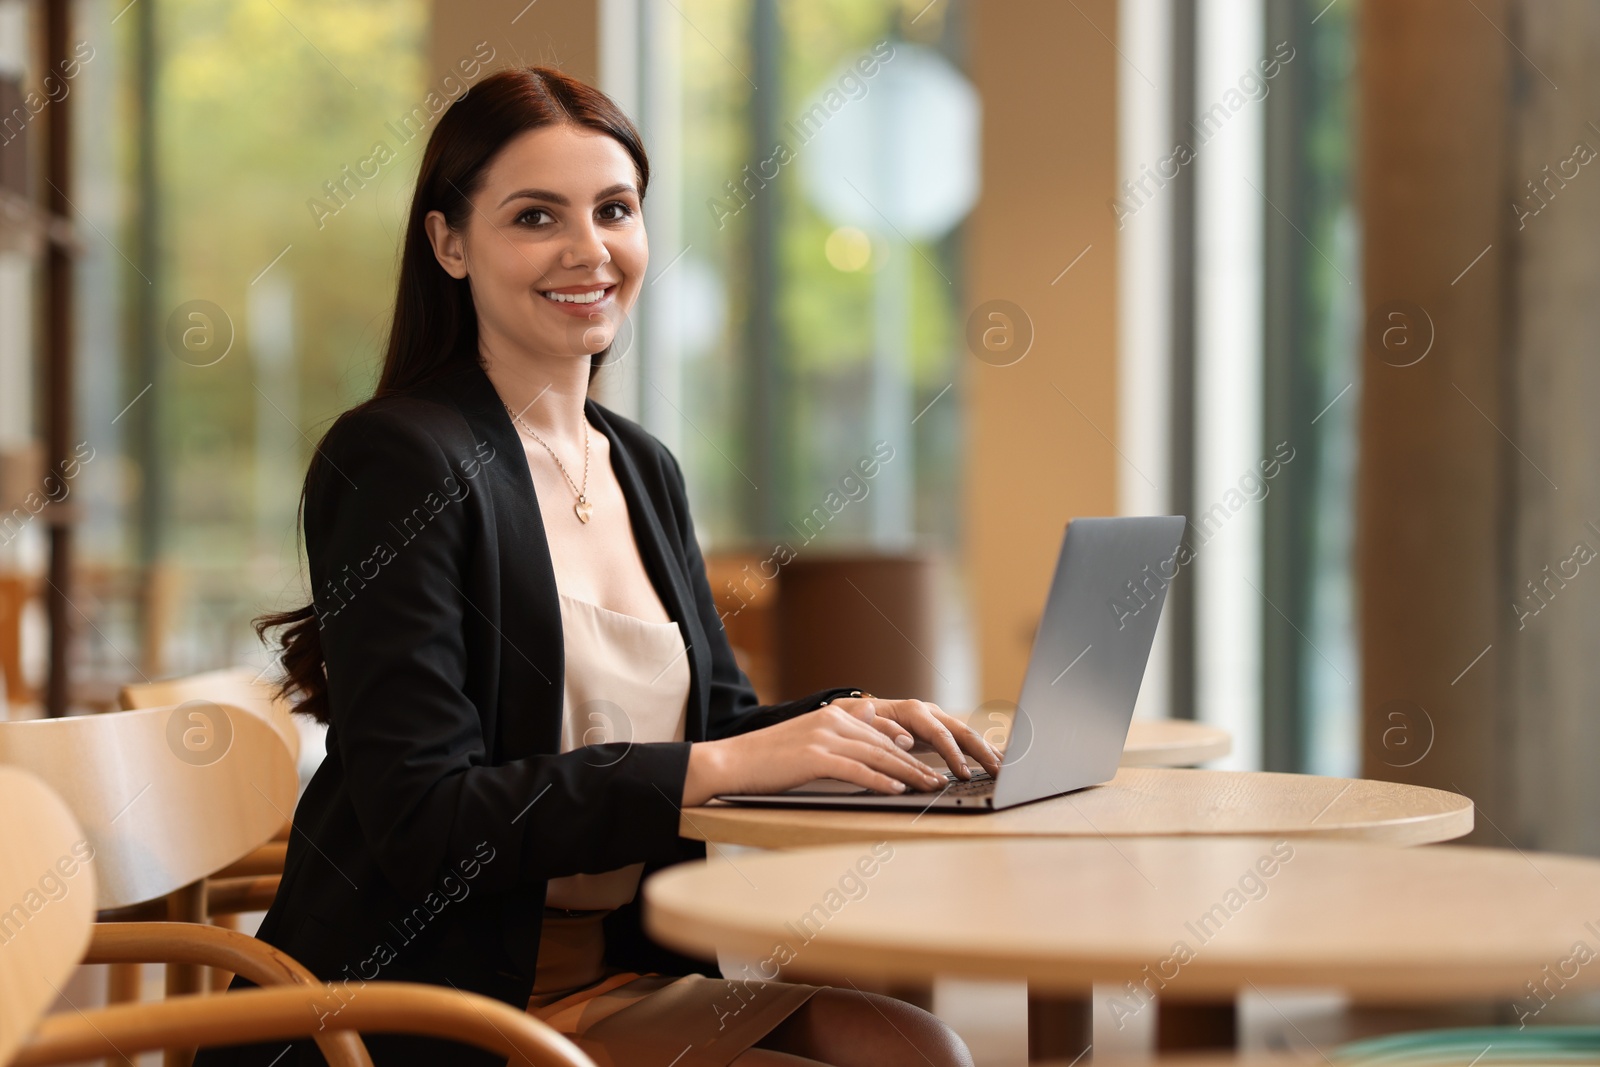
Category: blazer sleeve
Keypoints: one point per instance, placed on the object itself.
(734, 707)
(408, 737)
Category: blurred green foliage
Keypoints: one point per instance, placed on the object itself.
(825, 314)
(260, 104)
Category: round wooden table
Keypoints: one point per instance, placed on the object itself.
(1180, 918)
(1396, 925)
(1174, 743)
(1138, 802)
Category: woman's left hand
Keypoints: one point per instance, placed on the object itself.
(907, 721)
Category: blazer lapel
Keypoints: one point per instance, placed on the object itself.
(524, 607)
(665, 568)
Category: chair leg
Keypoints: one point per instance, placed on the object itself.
(1194, 1026)
(186, 905)
(124, 983)
(1060, 1026)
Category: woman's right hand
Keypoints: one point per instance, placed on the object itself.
(829, 742)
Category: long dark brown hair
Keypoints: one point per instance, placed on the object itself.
(435, 326)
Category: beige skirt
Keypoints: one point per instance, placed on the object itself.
(622, 1018)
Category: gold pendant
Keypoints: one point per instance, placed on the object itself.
(583, 508)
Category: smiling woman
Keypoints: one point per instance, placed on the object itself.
(539, 674)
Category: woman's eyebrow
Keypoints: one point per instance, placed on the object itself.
(557, 198)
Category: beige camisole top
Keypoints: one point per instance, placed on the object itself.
(625, 680)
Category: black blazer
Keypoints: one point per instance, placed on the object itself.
(422, 845)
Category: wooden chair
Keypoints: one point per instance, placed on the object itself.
(248, 883)
(47, 870)
(16, 590)
(868, 617)
(166, 795)
(168, 798)
(239, 686)
(745, 588)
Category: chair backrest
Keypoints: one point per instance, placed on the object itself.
(166, 796)
(240, 686)
(15, 592)
(47, 902)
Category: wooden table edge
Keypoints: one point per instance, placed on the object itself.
(1210, 743)
(1417, 830)
(1385, 981)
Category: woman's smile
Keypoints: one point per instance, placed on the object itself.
(581, 301)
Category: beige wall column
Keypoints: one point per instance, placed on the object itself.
(549, 33)
(1479, 493)
(1040, 431)
(1551, 617)
(1429, 495)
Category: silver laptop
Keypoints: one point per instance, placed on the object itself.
(1088, 660)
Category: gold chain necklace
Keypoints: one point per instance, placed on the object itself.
(582, 508)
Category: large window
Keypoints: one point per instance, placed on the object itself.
(239, 173)
(242, 173)
(1312, 710)
(794, 329)
(1241, 290)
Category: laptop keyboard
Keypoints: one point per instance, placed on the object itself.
(978, 785)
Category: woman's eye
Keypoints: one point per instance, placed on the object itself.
(616, 211)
